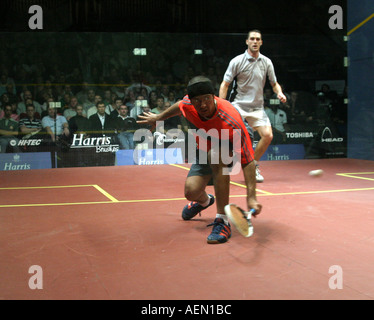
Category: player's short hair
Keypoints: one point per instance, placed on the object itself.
(254, 30)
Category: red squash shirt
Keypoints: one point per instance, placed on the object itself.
(226, 124)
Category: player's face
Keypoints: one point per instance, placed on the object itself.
(204, 105)
(254, 42)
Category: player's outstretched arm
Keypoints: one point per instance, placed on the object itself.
(151, 118)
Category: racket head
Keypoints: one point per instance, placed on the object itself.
(239, 220)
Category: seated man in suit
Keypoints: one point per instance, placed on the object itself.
(101, 125)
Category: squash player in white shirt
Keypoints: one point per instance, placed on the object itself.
(249, 72)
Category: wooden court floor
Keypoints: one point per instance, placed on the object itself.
(117, 233)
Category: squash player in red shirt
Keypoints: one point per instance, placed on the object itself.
(210, 113)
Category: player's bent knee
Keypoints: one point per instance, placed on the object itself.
(191, 194)
(268, 138)
(191, 191)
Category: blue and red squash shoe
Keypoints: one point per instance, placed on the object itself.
(193, 208)
(221, 232)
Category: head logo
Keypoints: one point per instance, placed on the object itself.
(327, 136)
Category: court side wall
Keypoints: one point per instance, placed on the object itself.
(361, 80)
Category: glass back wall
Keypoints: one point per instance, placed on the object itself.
(53, 82)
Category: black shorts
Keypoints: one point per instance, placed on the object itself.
(198, 169)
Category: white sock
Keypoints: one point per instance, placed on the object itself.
(206, 203)
(223, 217)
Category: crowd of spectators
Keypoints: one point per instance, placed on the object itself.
(95, 85)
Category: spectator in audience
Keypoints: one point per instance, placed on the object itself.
(107, 96)
(71, 109)
(152, 99)
(44, 95)
(140, 103)
(125, 127)
(30, 124)
(8, 131)
(100, 121)
(55, 125)
(160, 105)
(21, 107)
(130, 99)
(79, 122)
(102, 126)
(278, 120)
(65, 102)
(30, 127)
(324, 109)
(4, 99)
(48, 102)
(93, 109)
(112, 109)
(90, 102)
(172, 98)
(144, 92)
(79, 125)
(144, 110)
(15, 116)
(328, 93)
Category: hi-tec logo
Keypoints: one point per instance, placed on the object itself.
(30, 142)
(327, 136)
(102, 144)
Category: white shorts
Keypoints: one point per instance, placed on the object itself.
(255, 117)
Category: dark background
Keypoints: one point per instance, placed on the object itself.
(86, 34)
(212, 16)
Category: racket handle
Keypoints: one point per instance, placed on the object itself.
(252, 211)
